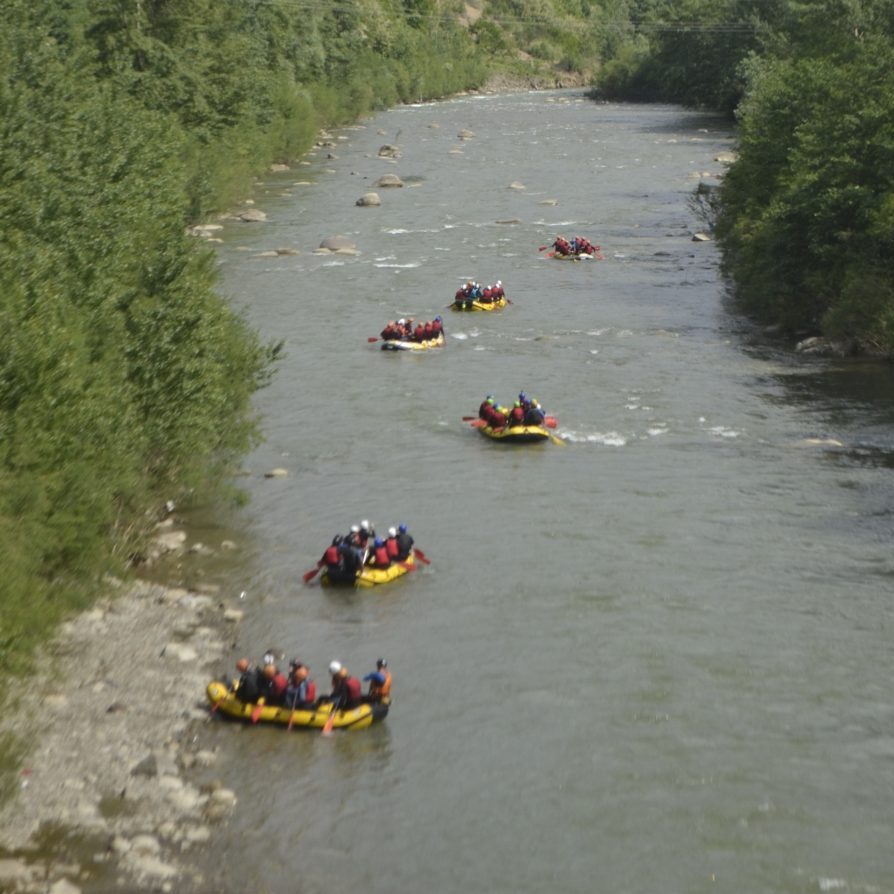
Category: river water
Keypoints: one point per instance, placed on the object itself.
(658, 658)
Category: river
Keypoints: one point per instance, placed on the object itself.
(657, 658)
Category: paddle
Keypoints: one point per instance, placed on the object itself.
(330, 720)
(422, 557)
(310, 575)
(478, 423)
(469, 418)
(372, 338)
(218, 703)
(557, 441)
(292, 715)
(256, 712)
(543, 248)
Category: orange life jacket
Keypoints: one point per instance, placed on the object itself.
(378, 691)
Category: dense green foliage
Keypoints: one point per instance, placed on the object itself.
(806, 214)
(125, 379)
(807, 217)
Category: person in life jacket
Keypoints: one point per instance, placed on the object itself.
(459, 297)
(390, 333)
(301, 693)
(332, 556)
(391, 544)
(437, 327)
(498, 290)
(499, 417)
(379, 682)
(380, 557)
(534, 415)
(562, 246)
(364, 534)
(487, 294)
(517, 414)
(248, 685)
(428, 330)
(273, 688)
(404, 543)
(419, 332)
(351, 556)
(485, 407)
(524, 400)
(347, 691)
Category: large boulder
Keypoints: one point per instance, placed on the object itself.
(388, 181)
(389, 151)
(369, 200)
(251, 215)
(338, 244)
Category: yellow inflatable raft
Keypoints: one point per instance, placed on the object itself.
(223, 700)
(369, 575)
(481, 305)
(401, 345)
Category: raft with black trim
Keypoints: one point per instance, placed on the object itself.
(368, 576)
(499, 304)
(224, 700)
(402, 345)
(515, 434)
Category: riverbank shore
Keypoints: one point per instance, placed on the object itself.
(108, 735)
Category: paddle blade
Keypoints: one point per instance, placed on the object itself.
(478, 423)
(550, 422)
(330, 722)
(558, 441)
(310, 575)
(469, 418)
(543, 248)
(422, 557)
(256, 712)
(372, 338)
(291, 721)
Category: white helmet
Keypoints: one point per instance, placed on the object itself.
(334, 667)
(355, 529)
(401, 322)
(365, 525)
(392, 532)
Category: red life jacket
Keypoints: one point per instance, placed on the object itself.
(497, 419)
(458, 297)
(330, 557)
(311, 695)
(436, 328)
(353, 692)
(392, 547)
(382, 558)
(419, 332)
(517, 416)
(428, 331)
(278, 687)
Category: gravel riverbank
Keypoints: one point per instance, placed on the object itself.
(109, 737)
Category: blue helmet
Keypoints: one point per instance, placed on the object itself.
(438, 319)
(402, 528)
(379, 541)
